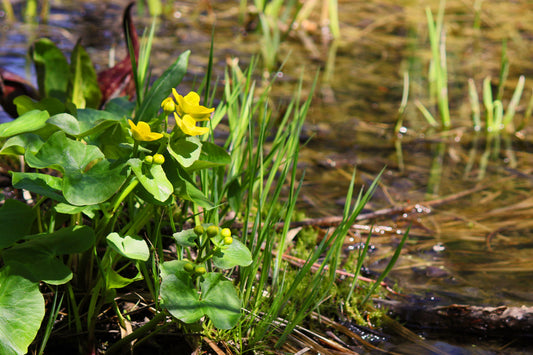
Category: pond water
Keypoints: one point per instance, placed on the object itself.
(471, 241)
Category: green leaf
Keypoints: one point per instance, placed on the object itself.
(16, 219)
(152, 178)
(28, 122)
(131, 247)
(112, 278)
(42, 184)
(83, 89)
(88, 178)
(236, 254)
(18, 144)
(21, 310)
(36, 259)
(95, 121)
(67, 123)
(212, 156)
(186, 150)
(220, 301)
(51, 67)
(184, 187)
(120, 106)
(50, 104)
(64, 154)
(65, 208)
(95, 185)
(180, 297)
(186, 238)
(162, 87)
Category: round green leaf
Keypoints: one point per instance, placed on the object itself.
(154, 180)
(67, 123)
(220, 301)
(21, 312)
(186, 150)
(236, 254)
(179, 294)
(131, 247)
(186, 238)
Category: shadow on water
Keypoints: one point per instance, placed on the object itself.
(475, 248)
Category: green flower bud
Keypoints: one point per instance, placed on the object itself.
(212, 231)
(228, 240)
(199, 230)
(189, 267)
(225, 232)
(168, 105)
(200, 270)
(149, 159)
(159, 159)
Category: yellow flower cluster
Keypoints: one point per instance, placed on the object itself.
(187, 111)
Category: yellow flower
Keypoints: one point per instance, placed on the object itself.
(142, 132)
(188, 125)
(190, 105)
(168, 105)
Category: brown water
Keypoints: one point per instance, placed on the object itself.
(476, 249)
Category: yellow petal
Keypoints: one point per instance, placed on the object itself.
(190, 105)
(142, 132)
(188, 125)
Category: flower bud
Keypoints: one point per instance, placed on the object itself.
(228, 240)
(200, 270)
(199, 230)
(212, 231)
(168, 105)
(149, 159)
(189, 267)
(159, 159)
(225, 232)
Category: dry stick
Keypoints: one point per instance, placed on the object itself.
(214, 346)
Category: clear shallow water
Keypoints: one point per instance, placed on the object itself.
(477, 249)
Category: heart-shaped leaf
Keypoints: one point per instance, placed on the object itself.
(94, 186)
(83, 182)
(131, 247)
(18, 144)
(218, 298)
(211, 156)
(235, 254)
(186, 150)
(186, 238)
(178, 292)
(220, 301)
(22, 310)
(42, 184)
(152, 178)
